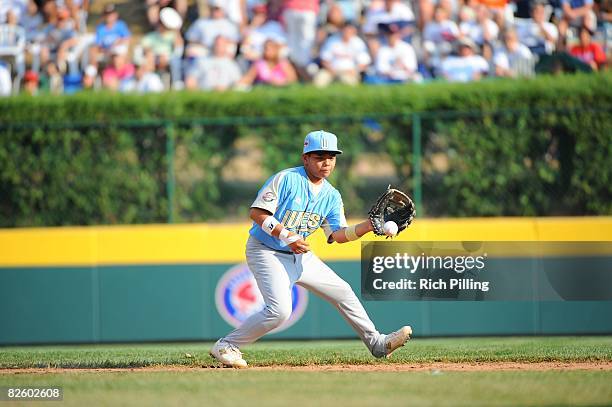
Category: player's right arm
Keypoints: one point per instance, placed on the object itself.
(262, 218)
(263, 209)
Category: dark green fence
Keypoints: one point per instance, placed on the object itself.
(176, 302)
(512, 162)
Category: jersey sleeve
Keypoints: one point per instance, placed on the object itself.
(270, 193)
(335, 220)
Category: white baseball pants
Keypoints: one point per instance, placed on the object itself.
(276, 272)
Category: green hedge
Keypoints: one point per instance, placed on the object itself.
(525, 147)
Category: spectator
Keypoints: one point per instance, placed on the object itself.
(467, 18)
(119, 74)
(439, 36)
(588, 51)
(79, 10)
(393, 11)
(258, 32)
(90, 78)
(426, 12)
(605, 13)
(215, 72)
(466, 66)
(333, 24)
(59, 36)
(576, 13)
(442, 29)
(113, 32)
(51, 79)
(6, 84)
(147, 81)
(163, 42)
(201, 35)
(538, 34)
(13, 42)
(272, 69)
(396, 61)
(390, 11)
(155, 6)
(513, 59)
(344, 57)
(73, 83)
(30, 83)
(482, 31)
(300, 20)
(349, 10)
(15, 7)
(32, 21)
(236, 12)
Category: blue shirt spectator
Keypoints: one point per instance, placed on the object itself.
(112, 29)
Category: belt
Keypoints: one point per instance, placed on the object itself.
(283, 251)
(268, 247)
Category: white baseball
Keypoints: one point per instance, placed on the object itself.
(390, 228)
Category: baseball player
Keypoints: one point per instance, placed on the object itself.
(290, 206)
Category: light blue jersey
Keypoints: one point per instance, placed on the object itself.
(299, 205)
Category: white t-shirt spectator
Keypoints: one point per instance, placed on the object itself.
(530, 34)
(398, 62)
(5, 80)
(399, 12)
(149, 83)
(519, 61)
(345, 56)
(445, 31)
(213, 72)
(204, 31)
(463, 69)
(475, 31)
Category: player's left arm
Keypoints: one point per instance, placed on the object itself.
(351, 233)
(336, 228)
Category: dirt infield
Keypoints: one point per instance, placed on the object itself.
(387, 367)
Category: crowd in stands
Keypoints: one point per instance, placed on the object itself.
(55, 46)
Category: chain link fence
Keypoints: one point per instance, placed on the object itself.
(495, 163)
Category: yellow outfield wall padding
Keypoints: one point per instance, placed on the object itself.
(224, 243)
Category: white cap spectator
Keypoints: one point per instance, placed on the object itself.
(466, 66)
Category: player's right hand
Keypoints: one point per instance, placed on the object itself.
(299, 247)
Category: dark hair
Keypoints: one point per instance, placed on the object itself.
(587, 29)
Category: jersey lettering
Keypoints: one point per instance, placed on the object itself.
(300, 221)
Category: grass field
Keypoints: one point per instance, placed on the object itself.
(179, 374)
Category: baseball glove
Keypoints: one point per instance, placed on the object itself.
(392, 205)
